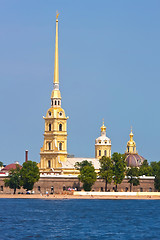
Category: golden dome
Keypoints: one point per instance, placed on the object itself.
(131, 142)
(56, 94)
(103, 128)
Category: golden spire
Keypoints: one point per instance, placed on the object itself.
(56, 63)
(103, 128)
(131, 135)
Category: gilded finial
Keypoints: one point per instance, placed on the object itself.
(57, 14)
(103, 121)
(131, 128)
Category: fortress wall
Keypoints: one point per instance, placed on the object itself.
(60, 185)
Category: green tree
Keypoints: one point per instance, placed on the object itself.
(145, 169)
(119, 168)
(155, 168)
(156, 172)
(106, 170)
(29, 174)
(13, 181)
(1, 164)
(132, 174)
(87, 174)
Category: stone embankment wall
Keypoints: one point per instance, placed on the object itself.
(61, 184)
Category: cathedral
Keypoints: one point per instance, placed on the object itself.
(53, 154)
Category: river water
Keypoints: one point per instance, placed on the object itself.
(79, 219)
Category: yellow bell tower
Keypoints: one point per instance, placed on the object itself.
(103, 144)
(131, 145)
(54, 150)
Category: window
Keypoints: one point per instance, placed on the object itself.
(39, 188)
(49, 113)
(50, 127)
(55, 102)
(52, 103)
(1, 188)
(60, 146)
(128, 149)
(126, 189)
(99, 152)
(49, 163)
(58, 102)
(105, 142)
(60, 127)
(52, 189)
(49, 146)
(64, 188)
(105, 153)
(141, 189)
(101, 189)
(150, 189)
(99, 142)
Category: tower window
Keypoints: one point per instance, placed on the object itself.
(99, 152)
(60, 127)
(49, 146)
(50, 127)
(128, 149)
(58, 102)
(1, 188)
(52, 103)
(39, 188)
(49, 163)
(49, 113)
(55, 102)
(105, 153)
(60, 146)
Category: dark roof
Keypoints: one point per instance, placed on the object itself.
(10, 166)
(134, 160)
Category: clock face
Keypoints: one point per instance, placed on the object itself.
(60, 114)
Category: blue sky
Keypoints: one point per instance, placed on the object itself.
(109, 57)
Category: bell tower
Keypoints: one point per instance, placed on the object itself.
(54, 150)
(103, 144)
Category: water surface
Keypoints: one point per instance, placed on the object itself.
(79, 219)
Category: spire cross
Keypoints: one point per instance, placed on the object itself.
(57, 14)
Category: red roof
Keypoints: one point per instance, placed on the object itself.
(11, 166)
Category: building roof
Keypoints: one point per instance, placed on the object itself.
(11, 166)
(70, 163)
(134, 160)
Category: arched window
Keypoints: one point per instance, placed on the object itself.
(105, 153)
(52, 103)
(55, 102)
(49, 163)
(60, 127)
(60, 146)
(50, 127)
(128, 149)
(99, 152)
(58, 102)
(49, 146)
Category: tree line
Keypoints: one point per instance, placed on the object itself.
(111, 169)
(115, 169)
